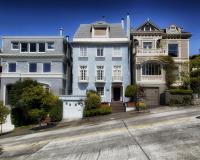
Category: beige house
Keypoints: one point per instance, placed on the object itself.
(150, 42)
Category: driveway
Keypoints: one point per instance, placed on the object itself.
(157, 136)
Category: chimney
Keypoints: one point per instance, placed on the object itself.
(61, 31)
(67, 38)
(122, 23)
(128, 26)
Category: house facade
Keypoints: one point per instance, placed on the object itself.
(101, 60)
(150, 42)
(42, 58)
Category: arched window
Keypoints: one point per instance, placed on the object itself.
(151, 69)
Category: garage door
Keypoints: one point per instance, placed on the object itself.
(151, 96)
(72, 110)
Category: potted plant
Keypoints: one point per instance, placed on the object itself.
(131, 92)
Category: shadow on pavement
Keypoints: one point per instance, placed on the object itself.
(51, 125)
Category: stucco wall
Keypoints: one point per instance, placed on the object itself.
(108, 61)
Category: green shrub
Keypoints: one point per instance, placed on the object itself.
(36, 115)
(173, 102)
(181, 91)
(187, 100)
(98, 111)
(33, 103)
(131, 91)
(169, 67)
(92, 101)
(56, 113)
(195, 84)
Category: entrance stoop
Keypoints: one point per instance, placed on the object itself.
(117, 106)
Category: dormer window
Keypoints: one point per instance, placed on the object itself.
(100, 31)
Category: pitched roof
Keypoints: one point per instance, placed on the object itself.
(115, 30)
(148, 22)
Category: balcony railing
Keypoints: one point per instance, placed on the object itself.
(150, 52)
(100, 79)
(117, 78)
(83, 79)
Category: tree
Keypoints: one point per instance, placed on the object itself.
(4, 111)
(33, 103)
(18, 88)
(131, 91)
(195, 74)
(169, 66)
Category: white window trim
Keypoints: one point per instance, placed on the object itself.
(29, 67)
(113, 70)
(161, 69)
(43, 67)
(48, 48)
(7, 63)
(103, 90)
(103, 71)
(45, 47)
(12, 46)
(120, 52)
(99, 36)
(79, 71)
(97, 50)
(29, 47)
(153, 44)
(21, 47)
(80, 51)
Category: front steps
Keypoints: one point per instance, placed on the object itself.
(117, 107)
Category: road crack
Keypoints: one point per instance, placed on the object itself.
(133, 137)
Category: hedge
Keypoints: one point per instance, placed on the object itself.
(98, 111)
(56, 113)
(180, 91)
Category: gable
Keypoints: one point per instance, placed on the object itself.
(173, 29)
(148, 27)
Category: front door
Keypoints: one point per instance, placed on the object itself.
(117, 93)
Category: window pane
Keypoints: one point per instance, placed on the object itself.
(33, 67)
(151, 69)
(24, 47)
(12, 67)
(100, 90)
(173, 50)
(147, 45)
(83, 51)
(46, 67)
(117, 51)
(50, 45)
(41, 47)
(32, 47)
(15, 45)
(99, 52)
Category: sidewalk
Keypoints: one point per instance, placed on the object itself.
(96, 120)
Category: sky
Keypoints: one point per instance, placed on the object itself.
(45, 17)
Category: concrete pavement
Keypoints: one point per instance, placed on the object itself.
(162, 135)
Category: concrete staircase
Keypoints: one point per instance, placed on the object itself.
(117, 106)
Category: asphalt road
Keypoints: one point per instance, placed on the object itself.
(158, 136)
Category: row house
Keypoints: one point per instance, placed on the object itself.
(150, 42)
(42, 58)
(101, 60)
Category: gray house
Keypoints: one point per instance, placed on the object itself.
(42, 58)
(101, 60)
